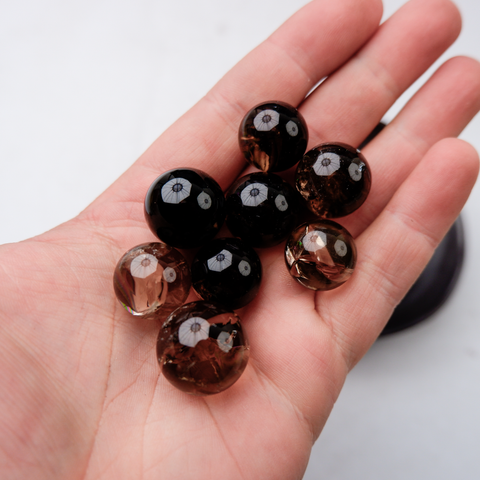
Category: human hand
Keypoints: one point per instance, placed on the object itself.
(82, 396)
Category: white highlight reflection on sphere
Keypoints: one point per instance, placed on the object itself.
(326, 164)
(193, 330)
(266, 120)
(281, 203)
(244, 268)
(220, 261)
(169, 274)
(254, 194)
(225, 341)
(204, 201)
(314, 240)
(176, 190)
(143, 265)
(341, 248)
(292, 128)
(355, 171)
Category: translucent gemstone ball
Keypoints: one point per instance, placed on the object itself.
(334, 179)
(262, 209)
(273, 136)
(227, 271)
(152, 279)
(202, 348)
(320, 255)
(185, 208)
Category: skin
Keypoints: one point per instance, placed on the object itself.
(81, 394)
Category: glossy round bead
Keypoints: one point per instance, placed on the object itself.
(273, 136)
(262, 209)
(185, 208)
(228, 272)
(334, 179)
(152, 278)
(320, 255)
(202, 348)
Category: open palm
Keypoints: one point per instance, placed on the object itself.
(81, 396)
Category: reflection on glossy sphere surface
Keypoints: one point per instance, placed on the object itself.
(334, 179)
(320, 255)
(273, 136)
(227, 271)
(262, 209)
(185, 208)
(152, 278)
(202, 348)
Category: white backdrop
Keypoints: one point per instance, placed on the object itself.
(85, 87)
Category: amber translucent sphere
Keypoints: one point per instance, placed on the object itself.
(273, 136)
(152, 279)
(202, 348)
(320, 255)
(334, 179)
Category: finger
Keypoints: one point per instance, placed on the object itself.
(350, 103)
(440, 109)
(393, 251)
(284, 67)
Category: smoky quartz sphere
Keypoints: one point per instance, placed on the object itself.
(228, 272)
(185, 208)
(320, 255)
(152, 279)
(262, 209)
(273, 136)
(202, 348)
(334, 179)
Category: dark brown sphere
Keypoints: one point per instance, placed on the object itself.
(227, 271)
(202, 348)
(334, 179)
(185, 207)
(262, 209)
(273, 136)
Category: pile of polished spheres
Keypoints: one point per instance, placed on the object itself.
(202, 347)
